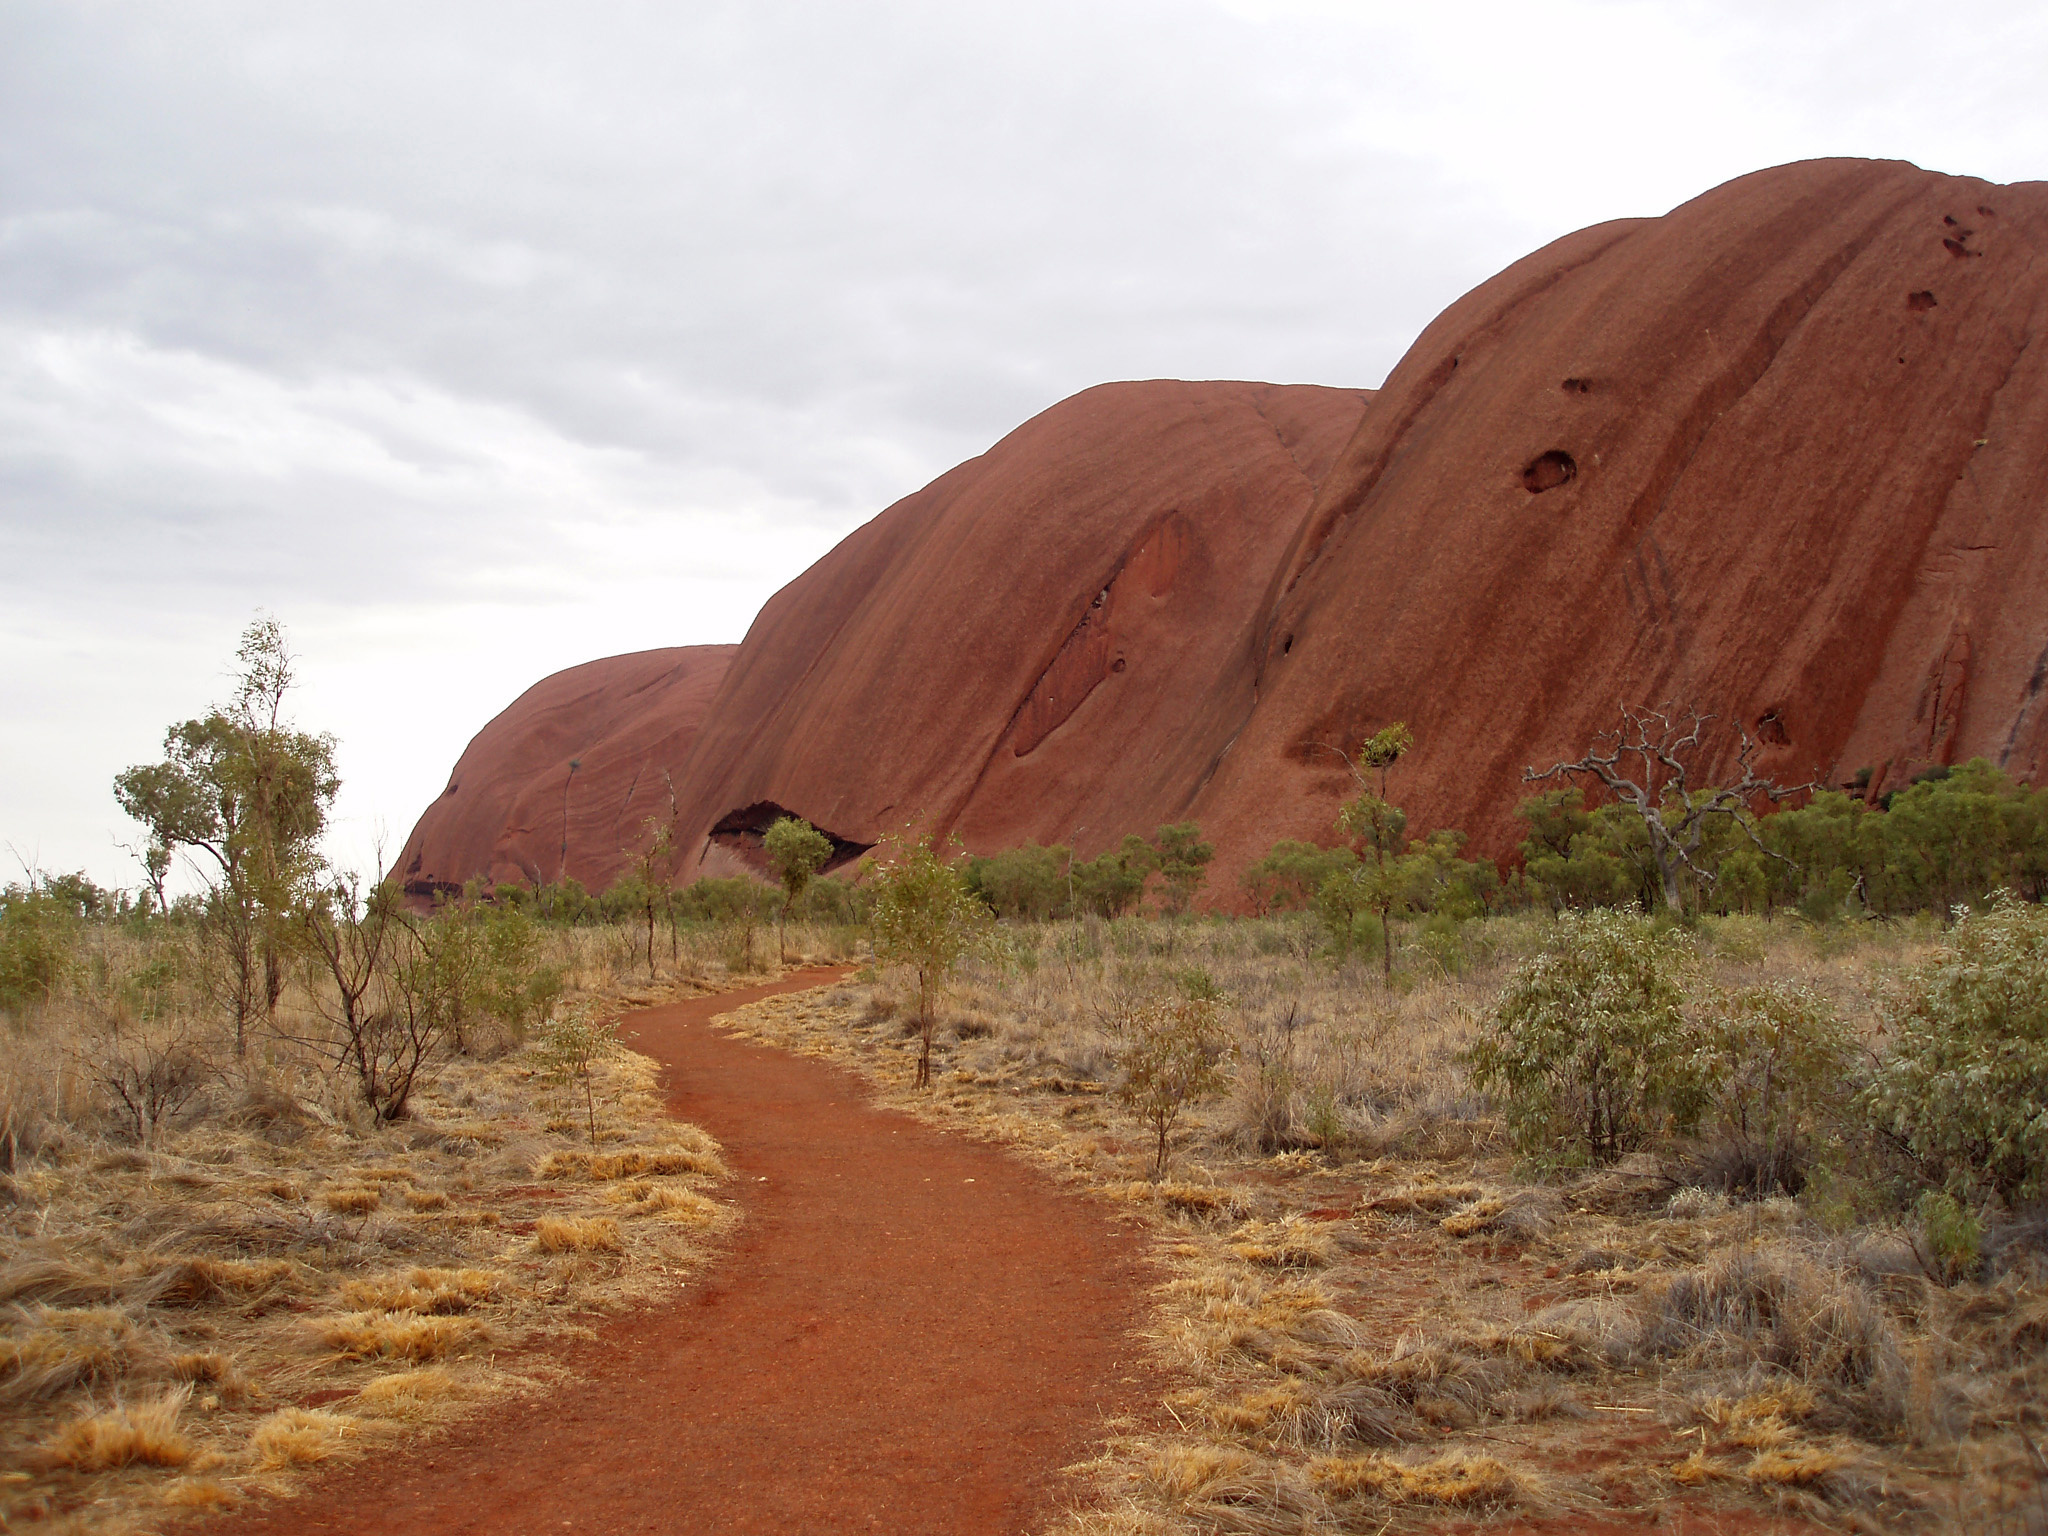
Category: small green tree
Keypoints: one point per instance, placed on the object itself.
(1183, 864)
(1112, 881)
(1964, 1088)
(250, 794)
(926, 920)
(1382, 878)
(570, 1048)
(1373, 826)
(1173, 1056)
(38, 946)
(796, 851)
(1589, 1046)
(1289, 876)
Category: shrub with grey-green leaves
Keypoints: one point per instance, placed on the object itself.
(1778, 1062)
(1589, 1052)
(1963, 1088)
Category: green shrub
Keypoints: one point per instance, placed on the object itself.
(1028, 882)
(1589, 1048)
(38, 943)
(1955, 1239)
(926, 920)
(1174, 1055)
(1964, 1088)
(1289, 876)
(1775, 1056)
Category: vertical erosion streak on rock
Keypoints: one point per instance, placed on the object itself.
(1722, 393)
(1324, 521)
(1937, 728)
(2035, 681)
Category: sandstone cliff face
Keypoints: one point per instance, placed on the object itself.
(1780, 455)
(625, 722)
(1053, 641)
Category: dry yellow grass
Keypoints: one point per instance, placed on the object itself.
(426, 1290)
(407, 1394)
(1290, 1243)
(1457, 1478)
(297, 1437)
(634, 1163)
(398, 1336)
(684, 1206)
(191, 1262)
(1441, 1295)
(577, 1234)
(201, 1279)
(201, 1493)
(120, 1437)
(354, 1200)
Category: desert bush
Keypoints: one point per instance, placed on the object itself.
(38, 947)
(147, 1070)
(1289, 876)
(1173, 1057)
(1589, 1047)
(1953, 1236)
(1268, 1078)
(927, 921)
(569, 1050)
(1789, 1311)
(1776, 1057)
(1028, 882)
(1964, 1087)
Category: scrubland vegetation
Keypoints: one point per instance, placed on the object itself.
(1694, 1166)
(1602, 1213)
(289, 1169)
(218, 1270)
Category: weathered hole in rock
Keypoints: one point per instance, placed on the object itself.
(1989, 213)
(1577, 386)
(741, 832)
(1950, 220)
(1547, 471)
(1770, 730)
(1287, 645)
(1921, 300)
(1118, 666)
(1958, 249)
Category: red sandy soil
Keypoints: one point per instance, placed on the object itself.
(911, 1333)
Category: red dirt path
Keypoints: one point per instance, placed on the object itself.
(911, 1333)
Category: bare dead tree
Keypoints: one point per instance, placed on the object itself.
(384, 997)
(1650, 764)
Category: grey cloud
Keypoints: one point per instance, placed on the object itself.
(420, 311)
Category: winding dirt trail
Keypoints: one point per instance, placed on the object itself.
(911, 1333)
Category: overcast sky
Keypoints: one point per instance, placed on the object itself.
(477, 340)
